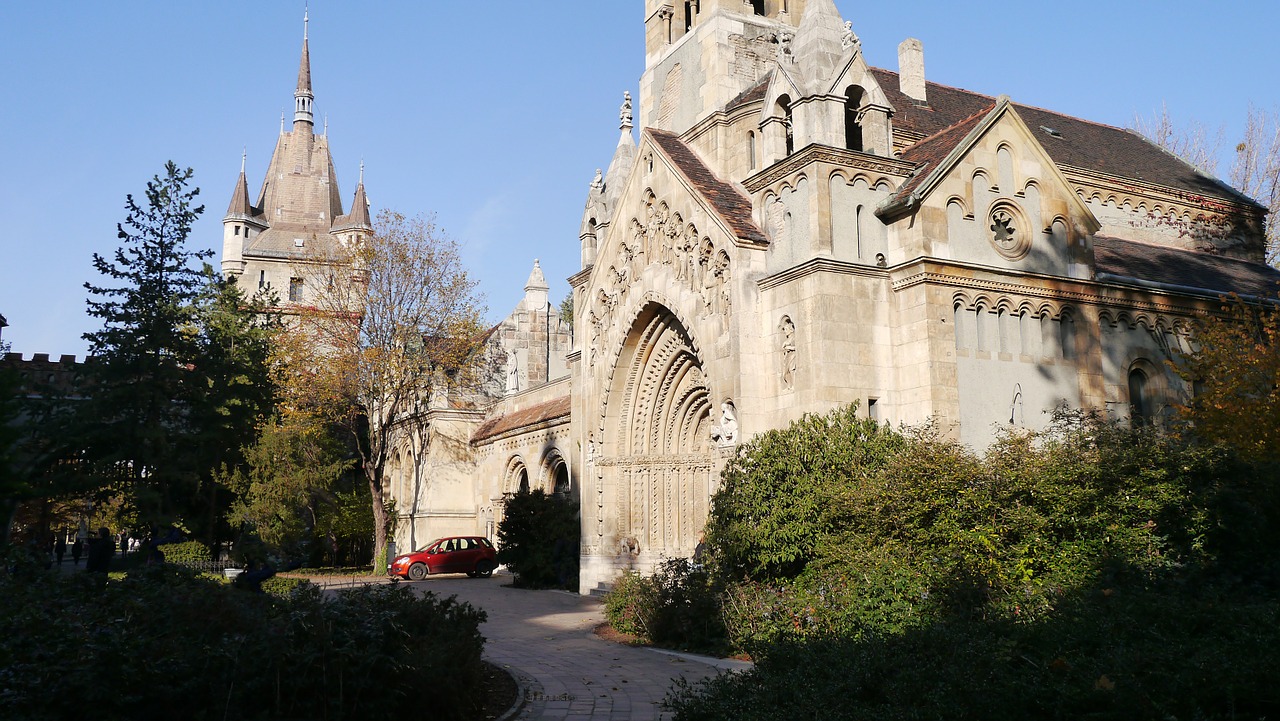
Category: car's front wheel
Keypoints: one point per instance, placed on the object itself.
(484, 569)
(417, 572)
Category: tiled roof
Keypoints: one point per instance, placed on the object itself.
(551, 410)
(728, 202)
(750, 95)
(1187, 268)
(1079, 143)
(930, 152)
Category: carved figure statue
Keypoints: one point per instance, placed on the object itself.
(597, 183)
(726, 434)
(625, 113)
(850, 38)
(513, 377)
(788, 353)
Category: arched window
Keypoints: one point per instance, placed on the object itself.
(1139, 398)
(784, 107)
(852, 130)
(1067, 331)
(524, 480)
(561, 473)
(751, 147)
(757, 7)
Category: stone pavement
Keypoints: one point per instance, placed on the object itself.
(546, 640)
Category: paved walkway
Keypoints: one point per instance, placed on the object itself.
(546, 640)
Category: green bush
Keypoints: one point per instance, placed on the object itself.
(186, 553)
(164, 640)
(776, 504)
(677, 607)
(630, 604)
(538, 540)
(1085, 571)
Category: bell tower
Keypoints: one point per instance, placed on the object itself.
(700, 54)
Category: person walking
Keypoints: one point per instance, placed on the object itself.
(77, 550)
(60, 547)
(100, 551)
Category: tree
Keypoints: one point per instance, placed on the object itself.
(233, 391)
(1255, 169)
(388, 323)
(1234, 367)
(138, 390)
(539, 537)
(286, 493)
(177, 382)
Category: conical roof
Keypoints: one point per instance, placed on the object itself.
(818, 45)
(240, 198)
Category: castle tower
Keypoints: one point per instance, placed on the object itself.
(298, 212)
(700, 54)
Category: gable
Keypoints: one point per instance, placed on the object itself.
(996, 197)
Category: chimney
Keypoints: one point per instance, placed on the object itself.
(911, 70)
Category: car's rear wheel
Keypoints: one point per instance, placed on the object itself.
(417, 572)
(484, 569)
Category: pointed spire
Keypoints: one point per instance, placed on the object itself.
(302, 97)
(360, 205)
(536, 280)
(820, 40)
(624, 157)
(240, 196)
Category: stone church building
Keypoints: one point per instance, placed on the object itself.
(784, 229)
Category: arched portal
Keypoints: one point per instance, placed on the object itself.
(656, 451)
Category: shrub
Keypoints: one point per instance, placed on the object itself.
(1085, 571)
(164, 641)
(775, 506)
(538, 540)
(186, 553)
(676, 607)
(629, 605)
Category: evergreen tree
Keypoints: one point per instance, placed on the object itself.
(135, 426)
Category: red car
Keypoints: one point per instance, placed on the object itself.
(472, 555)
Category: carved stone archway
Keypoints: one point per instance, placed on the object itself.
(656, 453)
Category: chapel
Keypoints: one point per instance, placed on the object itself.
(783, 229)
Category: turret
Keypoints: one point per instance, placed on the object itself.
(690, 43)
(303, 118)
(238, 225)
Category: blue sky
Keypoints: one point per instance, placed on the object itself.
(491, 115)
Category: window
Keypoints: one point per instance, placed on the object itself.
(751, 148)
(524, 481)
(784, 107)
(237, 230)
(873, 409)
(757, 7)
(1139, 400)
(295, 289)
(1067, 329)
(852, 130)
(562, 479)
(262, 279)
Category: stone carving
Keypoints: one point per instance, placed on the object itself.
(788, 353)
(513, 377)
(662, 237)
(784, 44)
(597, 183)
(850, 38)
(629, 547)
(726, 434)
(625, 113)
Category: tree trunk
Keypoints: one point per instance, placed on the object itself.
(379, 519)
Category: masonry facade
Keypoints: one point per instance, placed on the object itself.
(789, 229)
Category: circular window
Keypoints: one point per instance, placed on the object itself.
(1010, 234)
